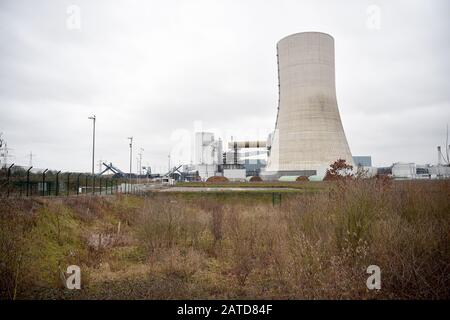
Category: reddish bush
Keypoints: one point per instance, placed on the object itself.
(339, 170)
(217, 179)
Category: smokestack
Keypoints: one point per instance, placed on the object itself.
(309, 135)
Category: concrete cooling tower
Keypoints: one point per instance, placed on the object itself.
(308, 134)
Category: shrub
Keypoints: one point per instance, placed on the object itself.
(217, 179)
(338, 170)
(311, 246)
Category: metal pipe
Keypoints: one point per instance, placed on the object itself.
(247, 144)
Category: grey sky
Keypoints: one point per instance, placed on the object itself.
(150, 69)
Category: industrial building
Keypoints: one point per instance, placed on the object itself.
(362, 161)
(208, 151)
(242, 159)
(308, 135)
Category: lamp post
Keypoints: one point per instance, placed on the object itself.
(169, 162)
(93, 118)
(140, 164)
(131, 158)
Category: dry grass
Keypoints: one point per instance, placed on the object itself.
(308, 247)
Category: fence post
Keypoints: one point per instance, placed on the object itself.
(57, 183)
(106, 186)
(100, 182)
(86, 185)
(274, 197)
(93, 184)
(28, 181)
(43, 182)
(78, 183)
(7, 179)
(68, 181)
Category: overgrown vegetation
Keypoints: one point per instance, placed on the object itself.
(168, 246)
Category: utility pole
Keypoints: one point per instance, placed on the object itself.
(93, 118)
(131, 156)
(31, 158)
(140, 160)
(140, 163)
(5, 152)
(169, 162)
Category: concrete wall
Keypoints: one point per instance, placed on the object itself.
(309, 133)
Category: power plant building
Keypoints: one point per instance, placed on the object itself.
(308, 135)
(207, 150)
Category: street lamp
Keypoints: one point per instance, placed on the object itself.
(93, 118)
(169, 163)
(131, 157)
(140, 164)
(140, 160)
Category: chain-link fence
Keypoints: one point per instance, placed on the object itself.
(19, 181)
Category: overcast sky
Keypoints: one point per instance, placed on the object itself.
(156, 70)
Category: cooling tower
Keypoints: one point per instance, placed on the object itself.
(308, 133)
